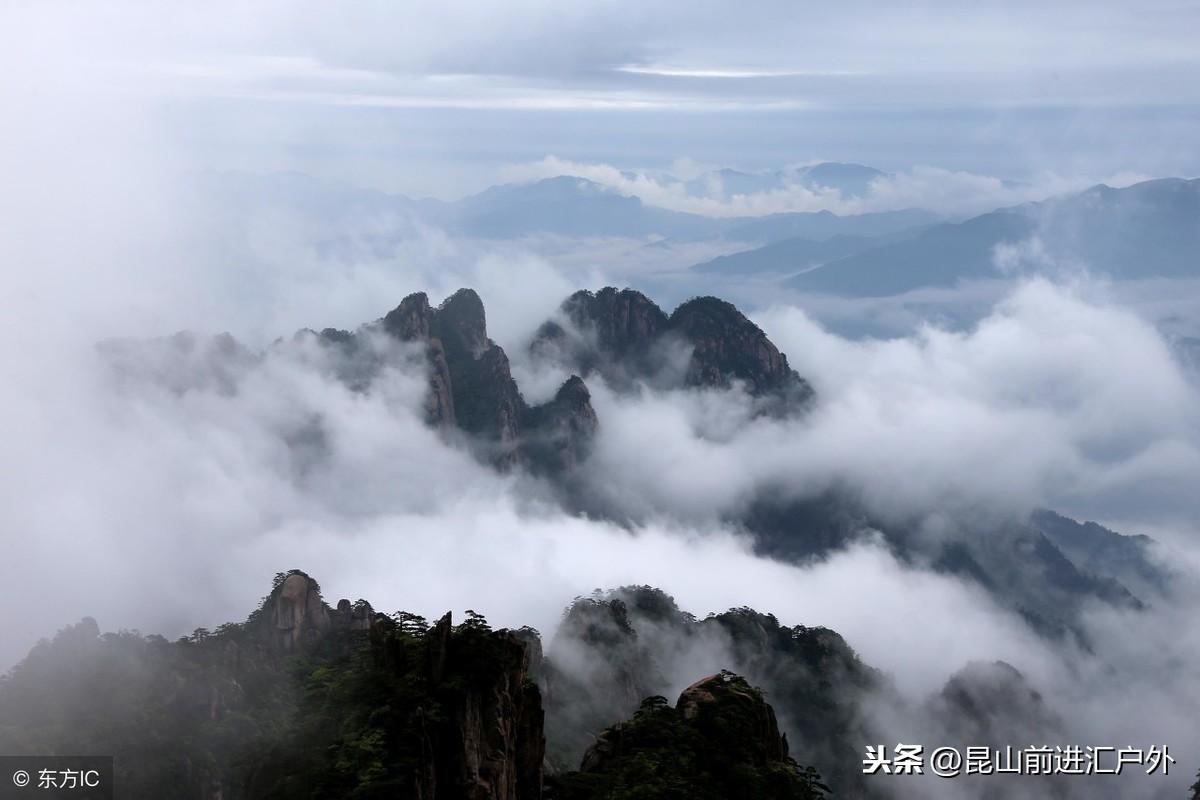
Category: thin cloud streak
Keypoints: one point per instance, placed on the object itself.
(682, 72)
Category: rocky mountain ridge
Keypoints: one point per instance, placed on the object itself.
(1145, 231)
(304, 700)
(560, 206)
(308, 700)
(624, 337)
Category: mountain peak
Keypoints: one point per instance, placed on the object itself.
(410, 319)
(626, 337)
(719, 698)
(293, 616)
(727, 346)
(462, 322)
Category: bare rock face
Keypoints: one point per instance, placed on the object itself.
(559, 433)
(470, 384)
(439, 404)
(499, 748)
(437, 646)
(294, 616)
(718, 700)
(471, 387)
(354, 616)
(490, 743)
(412, 321)
(486, 740)
(487, 402)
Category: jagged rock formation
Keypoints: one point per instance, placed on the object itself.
(470, 382)
(475, 390)
(301, 701)
(356, 616)
(412, 321)
(471, 387)
(489, 743)
(613, 332)
(720, 741)
(558, 434)
(294, 616)
(626, 337)
(308, 701)
(758, 736)
(622, 336)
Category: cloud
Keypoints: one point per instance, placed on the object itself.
(950, 192)
(1035, 399)
(1032, 406)
(216, 488)
(682, 72)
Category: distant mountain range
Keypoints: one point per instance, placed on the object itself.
(796, 254)
(851, 180)
(1148, 230)
(561, 206)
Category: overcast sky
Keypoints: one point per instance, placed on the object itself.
(440, 98)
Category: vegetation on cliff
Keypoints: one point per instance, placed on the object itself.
(719, 742)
